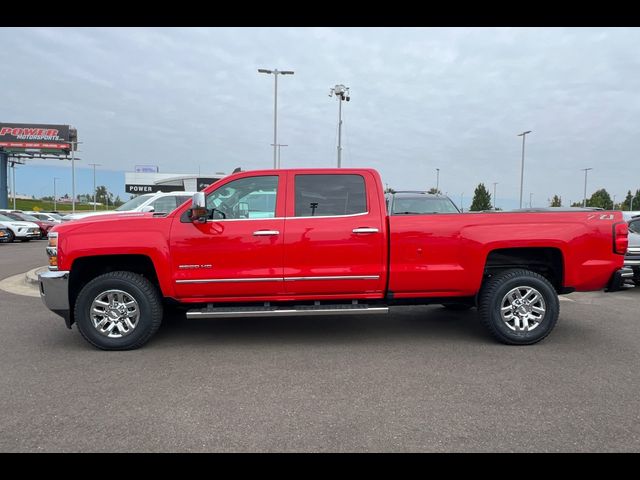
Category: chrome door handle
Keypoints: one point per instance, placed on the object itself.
(365, 230)
(264, 233)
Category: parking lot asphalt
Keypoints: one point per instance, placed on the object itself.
(420, 379)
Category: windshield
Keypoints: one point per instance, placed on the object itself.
(28, 218)
(4, 218)
(55, 215)
(422, 205)
(134, 203)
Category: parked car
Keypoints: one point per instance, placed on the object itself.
(4, 234)
(632, 258)
(326, 246)
(46, 216)
(418, 203)
(160, 202)
(19, 230)
(44, 225)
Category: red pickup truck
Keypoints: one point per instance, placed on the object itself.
(320, 242)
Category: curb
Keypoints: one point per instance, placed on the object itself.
(31, 277)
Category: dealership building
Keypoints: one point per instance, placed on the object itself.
(148, 179)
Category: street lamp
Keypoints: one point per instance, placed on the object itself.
(437, 179)
(494, 194)
(94, 183)
(523, 135)
(280, 145)
(584, 201)
(54, 193)
(530, 200)
(342, 93)
(275, 73)
(74, 146)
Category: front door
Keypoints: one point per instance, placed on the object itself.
(237, 254)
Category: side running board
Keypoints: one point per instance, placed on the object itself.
(288, 311)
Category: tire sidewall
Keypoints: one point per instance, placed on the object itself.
(85, 325)
(551, 305)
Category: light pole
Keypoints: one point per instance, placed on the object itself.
(94, 165)
(584, 201)
(342, 93)
(461, 209)
(280, 145)
(437, 179)
(523, 135)
(54, 193)
(494, 194)
(275, 73)
(74, 146)
(530, 200)
(613, 207)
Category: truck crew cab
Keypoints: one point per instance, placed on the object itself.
(320, 242)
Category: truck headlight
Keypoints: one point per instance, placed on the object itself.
(52, 251)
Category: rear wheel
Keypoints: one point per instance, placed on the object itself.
(118, 311)
(519, 307)
(11, 237)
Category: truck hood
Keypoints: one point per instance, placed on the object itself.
(120, 221)
(77, 216)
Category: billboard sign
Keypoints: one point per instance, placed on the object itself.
(36, 136)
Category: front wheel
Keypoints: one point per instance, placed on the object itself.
(519, 307)
(118, 311)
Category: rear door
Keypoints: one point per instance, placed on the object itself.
(334, 236)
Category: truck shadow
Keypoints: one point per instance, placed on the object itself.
(402, 323)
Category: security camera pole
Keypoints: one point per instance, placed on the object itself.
(342, 93)
(275, 73)
(584, 199)
(523, 135)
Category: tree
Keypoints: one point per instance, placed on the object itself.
(481, 199)
(600, 198)
(626, 205)
(435, 191)
(556, 201)
(101, 194)
(117, 202)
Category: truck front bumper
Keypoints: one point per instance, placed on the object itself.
(54, 292)
(618, 279)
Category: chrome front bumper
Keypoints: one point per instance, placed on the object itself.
(54, 292)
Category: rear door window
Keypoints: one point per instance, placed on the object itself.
(329, 195)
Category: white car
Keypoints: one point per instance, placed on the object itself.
(18, 230)
(161, 202)
(46, 216)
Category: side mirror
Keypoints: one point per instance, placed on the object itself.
(148, 208)
(198, 213)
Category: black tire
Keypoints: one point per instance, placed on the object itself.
(137, 287)
(637, 281)
(457, 306)
(11, 237)
(494, 292)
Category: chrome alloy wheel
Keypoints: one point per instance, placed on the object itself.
(522, 309)
(114, 313)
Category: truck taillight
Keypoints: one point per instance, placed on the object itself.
(620, 238)
(52, 250)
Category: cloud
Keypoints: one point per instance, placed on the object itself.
(422, 98)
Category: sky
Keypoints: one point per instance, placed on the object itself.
(422, 99)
